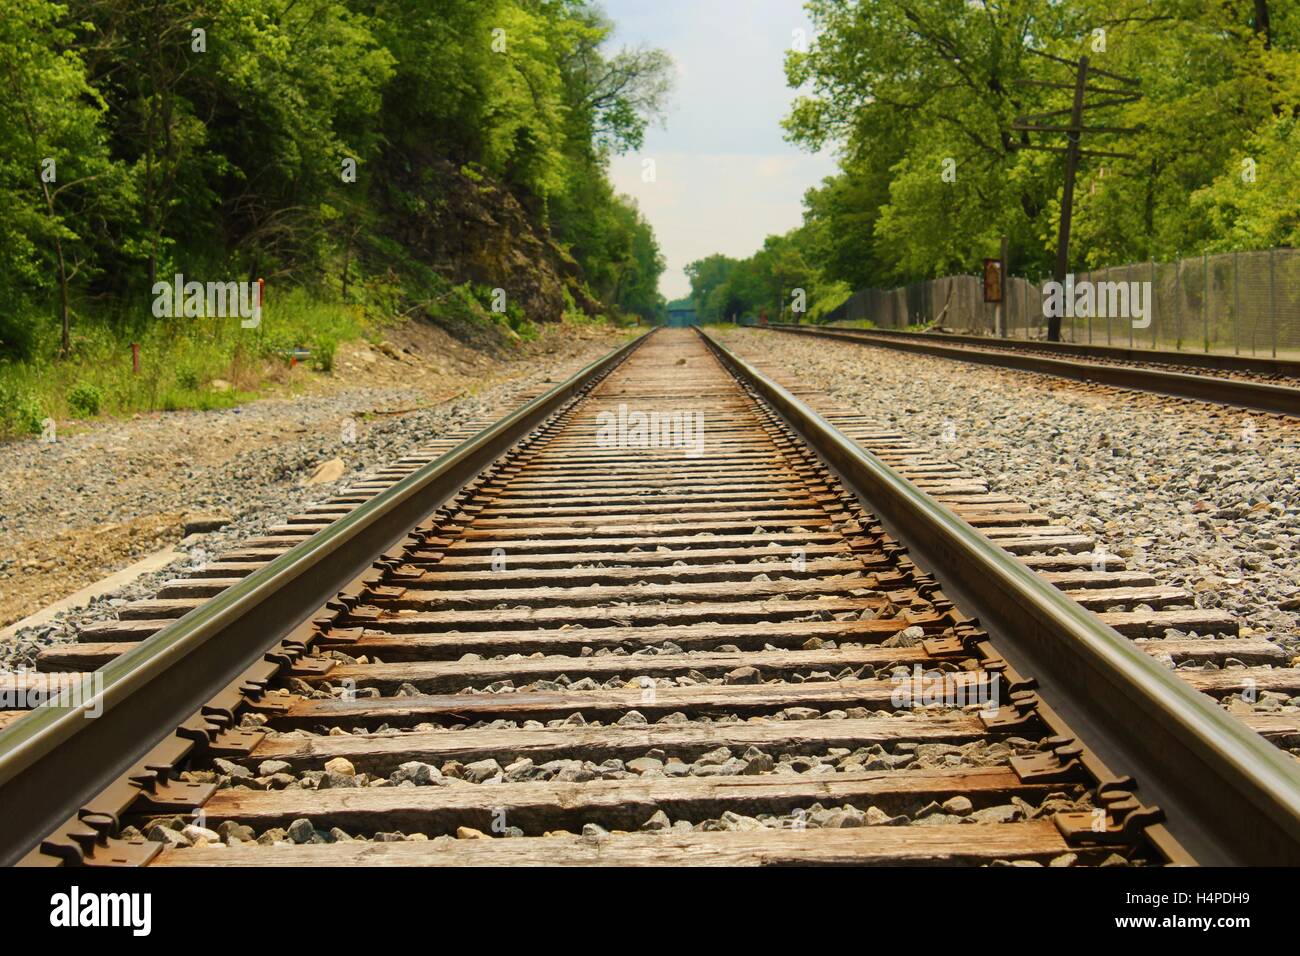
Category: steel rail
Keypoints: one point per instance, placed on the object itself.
(1211, 360)
(1231, 797)
(1262, 396)
(57, 758)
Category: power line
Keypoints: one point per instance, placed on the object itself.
(1033, 123)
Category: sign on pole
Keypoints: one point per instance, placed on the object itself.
(992, 280)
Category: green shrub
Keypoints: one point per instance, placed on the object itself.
(31, 416)
(323, 348)
(20, 412)
(18, 333)
(85, 399)
(522, 326)
(277, 343)
(187, 377)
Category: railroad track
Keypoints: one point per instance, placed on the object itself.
(661, 615)
(1264, 385)
(1161, 619)
(1260, 368)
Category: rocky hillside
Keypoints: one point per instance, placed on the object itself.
(468, 227)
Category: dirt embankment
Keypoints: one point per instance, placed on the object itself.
(111, 492)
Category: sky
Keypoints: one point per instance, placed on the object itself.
(724, 177)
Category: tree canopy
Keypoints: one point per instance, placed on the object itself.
(919, 98)
(191, 135)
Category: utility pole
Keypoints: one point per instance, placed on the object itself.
(1003, 313)
(1067, 193)
(1073, 150)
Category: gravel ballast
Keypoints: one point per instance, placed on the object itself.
(1199, 496)
(257, 487)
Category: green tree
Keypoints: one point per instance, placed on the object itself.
(1253, 204)
(53, 152)
(921, 97)
(708, 276)
(314, 142)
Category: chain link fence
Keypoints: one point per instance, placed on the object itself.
(1246, 303)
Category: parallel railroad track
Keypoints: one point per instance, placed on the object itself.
(579, 644)
(1262, 368)
(1264, 385)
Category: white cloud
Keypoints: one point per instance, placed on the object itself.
(726, 178)
(705, 203)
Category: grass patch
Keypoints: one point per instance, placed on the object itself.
(194, 363)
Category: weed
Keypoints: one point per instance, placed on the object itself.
(323, 348)
(85, 399)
